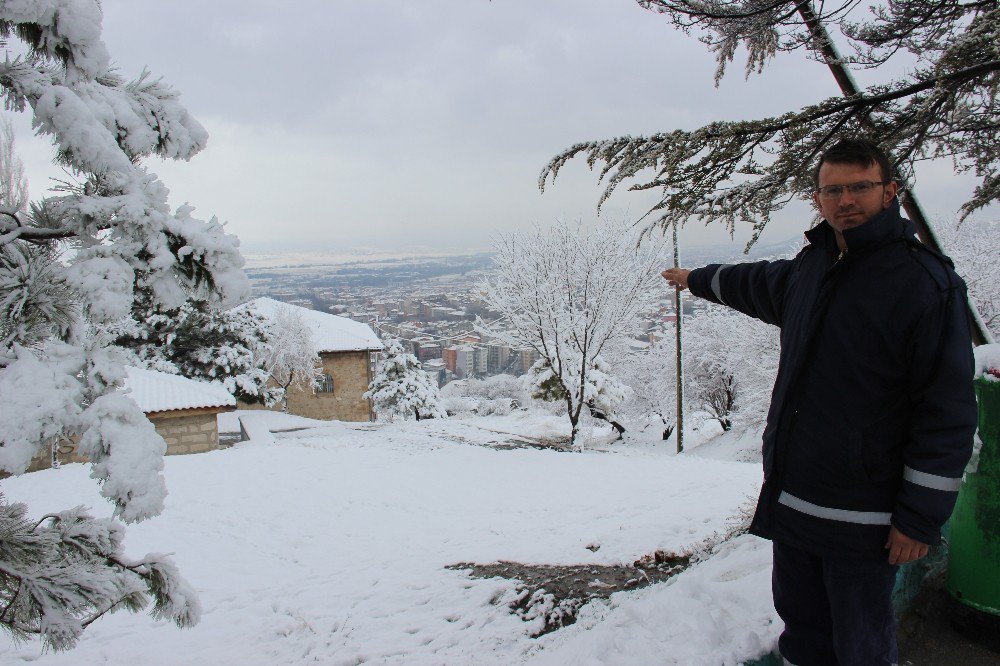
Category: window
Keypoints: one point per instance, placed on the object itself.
(325, 384)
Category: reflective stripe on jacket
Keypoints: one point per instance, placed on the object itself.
(873, 411)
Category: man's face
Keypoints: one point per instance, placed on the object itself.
(852, 210)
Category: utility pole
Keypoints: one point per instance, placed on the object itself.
(848, 87)
(680, 365)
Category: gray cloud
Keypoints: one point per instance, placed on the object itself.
(338, 124)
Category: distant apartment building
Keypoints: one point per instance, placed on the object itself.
(435, 370)
(497, 356)
(464, 361)
(528, 357)
(450, 357)
(480, 361)
(427, 351)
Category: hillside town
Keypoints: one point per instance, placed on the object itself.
(434, 306)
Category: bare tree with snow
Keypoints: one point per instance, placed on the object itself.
(730, 364)
(974, 245)
(649, 374)
(13, 182)
(60, 374)
(572, 295)
(401, 389)
(289, 355)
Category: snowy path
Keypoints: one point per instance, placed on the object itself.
(329, 546)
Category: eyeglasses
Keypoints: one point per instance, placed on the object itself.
(835, 191)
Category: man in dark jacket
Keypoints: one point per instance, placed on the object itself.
(872, 414)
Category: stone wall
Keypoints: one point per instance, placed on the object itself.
(184, 431)
(351, 376)
(196, 433)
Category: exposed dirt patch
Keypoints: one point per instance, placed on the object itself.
(556, 593)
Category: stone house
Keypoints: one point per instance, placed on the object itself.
(345, 348)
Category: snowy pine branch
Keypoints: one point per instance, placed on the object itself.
(60, 574)
(742, 171)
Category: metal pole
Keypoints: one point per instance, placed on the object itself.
(680, 365)
(848, 87)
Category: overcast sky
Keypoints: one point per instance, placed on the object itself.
(338, 124)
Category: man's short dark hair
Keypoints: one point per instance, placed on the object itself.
(855, 151)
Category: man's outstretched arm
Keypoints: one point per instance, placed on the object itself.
(756, 289)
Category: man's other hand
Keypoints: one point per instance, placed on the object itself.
(903, 549)
(677, 277)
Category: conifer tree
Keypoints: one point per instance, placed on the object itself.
(60, 373)
(201, 341)
(401, 389)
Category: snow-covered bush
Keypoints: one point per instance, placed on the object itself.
(70, 267)
(499, 394)
(572, 294)
(401, 389)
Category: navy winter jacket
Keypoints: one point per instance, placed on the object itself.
(873, 410)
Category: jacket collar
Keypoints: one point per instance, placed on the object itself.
(885, 227)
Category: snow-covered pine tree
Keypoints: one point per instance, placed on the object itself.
(200, 341)
(401, 389)
(69, 265)
(571, 294)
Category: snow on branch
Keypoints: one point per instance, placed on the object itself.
(60, 574)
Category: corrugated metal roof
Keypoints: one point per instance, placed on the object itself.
(161, 392)
(331, 333)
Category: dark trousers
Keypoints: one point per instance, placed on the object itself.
(837, 611)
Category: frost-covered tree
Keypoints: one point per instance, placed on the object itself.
(942, 102)
(203, 342)
(603, 394)
(69, 267)
(289, 355)
(13, 182)
(401, 389)
(649, 374)
(730, 364)
(974, 245)
(572, 295)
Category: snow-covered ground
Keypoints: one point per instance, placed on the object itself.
(328, 544)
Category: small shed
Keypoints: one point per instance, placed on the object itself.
(183, 410)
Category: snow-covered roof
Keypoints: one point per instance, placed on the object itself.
(161, 392)
(331, 333)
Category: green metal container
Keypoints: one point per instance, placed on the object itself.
(974, 559)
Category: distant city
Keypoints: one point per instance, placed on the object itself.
(432, 304)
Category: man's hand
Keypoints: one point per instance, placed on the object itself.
(677, 277)
(903, 549)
